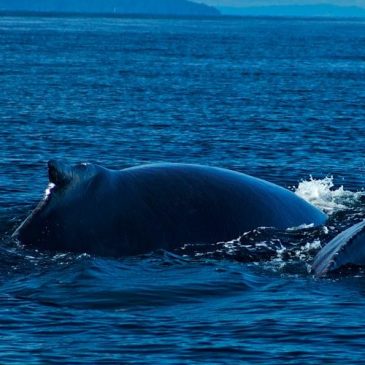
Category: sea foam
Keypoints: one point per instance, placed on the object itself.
(324, 195)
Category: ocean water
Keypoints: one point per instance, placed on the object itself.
(280, 99)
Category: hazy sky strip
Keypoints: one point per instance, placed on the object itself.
(244, 3)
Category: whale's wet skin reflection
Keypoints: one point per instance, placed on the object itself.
(277, 99)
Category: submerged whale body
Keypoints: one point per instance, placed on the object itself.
(92, 209)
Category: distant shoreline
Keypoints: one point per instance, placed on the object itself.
(105, 15)
(170, 16)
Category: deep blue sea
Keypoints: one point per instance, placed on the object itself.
(280, 99)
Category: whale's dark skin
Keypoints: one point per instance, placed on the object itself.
(136, 210)
(346, 249)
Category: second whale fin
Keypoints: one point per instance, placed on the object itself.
(346, 248)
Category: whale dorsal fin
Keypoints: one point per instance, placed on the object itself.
(59, 173)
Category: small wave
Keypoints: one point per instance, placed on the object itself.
(323, 194)
(105, 284)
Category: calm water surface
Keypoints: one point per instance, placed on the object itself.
(280, 99)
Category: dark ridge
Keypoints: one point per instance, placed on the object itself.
(117, 7)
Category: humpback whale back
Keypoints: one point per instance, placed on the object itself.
(135, 210)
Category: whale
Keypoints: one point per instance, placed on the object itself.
(347, 249)
(88, 208)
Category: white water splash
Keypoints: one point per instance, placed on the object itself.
(322, 194)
